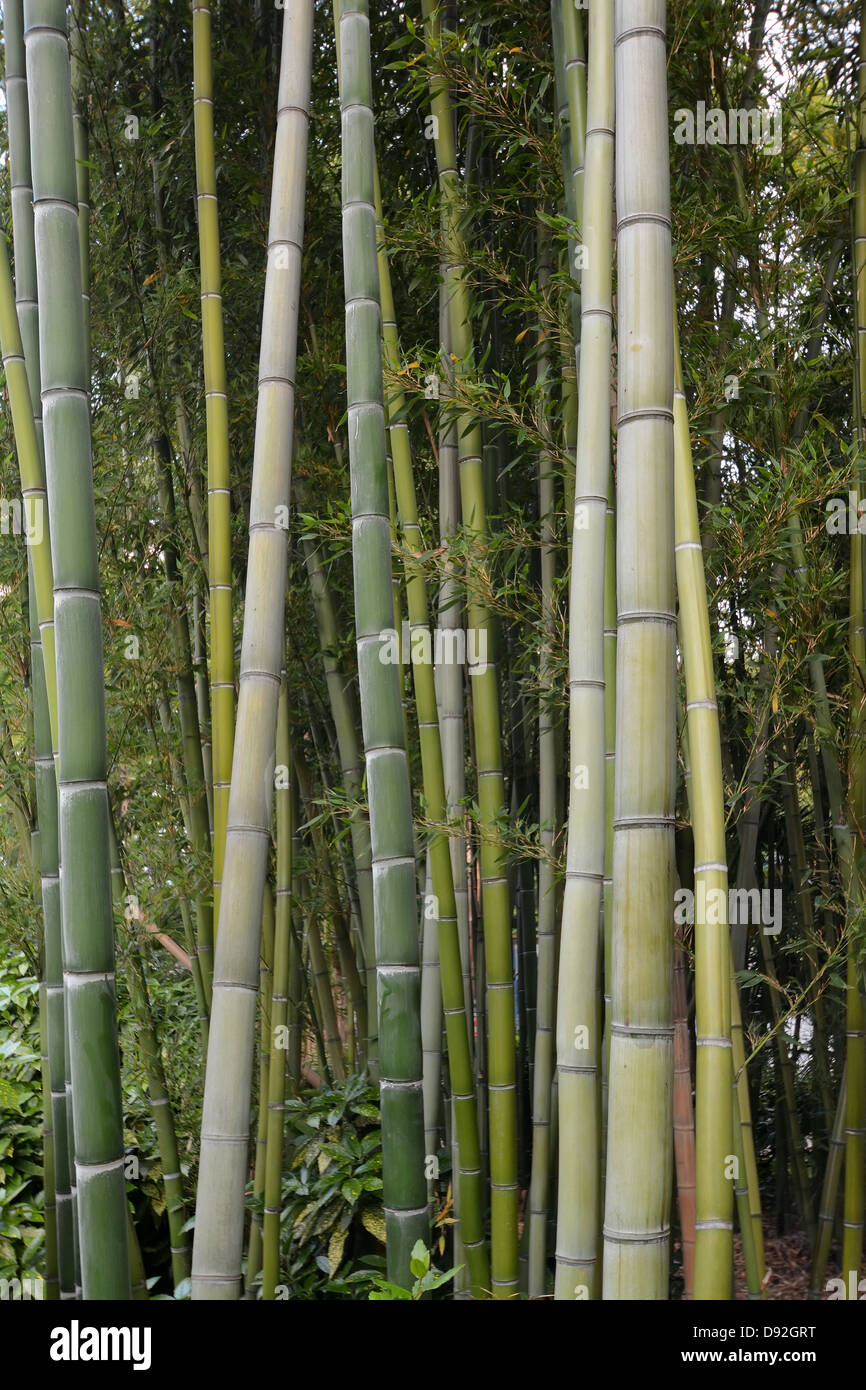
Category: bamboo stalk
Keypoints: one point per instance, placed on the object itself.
(486, 716)
(398, 974)
(713, 1114)
(222, 679)
(83, 798)
(217, 1248)
(276, 1098)
(639, 1155)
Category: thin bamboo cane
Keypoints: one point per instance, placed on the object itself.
(266, 987)
(85, 883)
(639, 1156)
(750, 1213)
(713, 1115)
(351, 769)
(222, 678)
(191, 743)
(829, 1194)
(684, 1122)
(154, 1071)
(276, 1098)
(444, 908)
(486, 721)
(547, 811)
(217, 1247)
(578, 1022)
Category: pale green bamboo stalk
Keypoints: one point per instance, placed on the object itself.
(217, 1248)
(486, 717)
(222, 678)
(639, 1156)
(276, 1098)
(405, 1190)
(578, 1022)
(713, 1114)
(266, 987)
(85, 884)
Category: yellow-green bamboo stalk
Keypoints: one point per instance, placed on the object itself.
(713, 1114)
(639, 1154)
(496, 908)
(222, 675)
(444, 912)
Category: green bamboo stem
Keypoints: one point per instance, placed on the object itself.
(684, 1122)
(578, 1022)
(222, 678)
(196, 815)
(154, 1071)
(398, 974)
(351, 770)
(348, 964)
(713, 1114)
(179, 783)
(137, 1275)
(445, 929)
(750, 1215)
(78, 24)
(829, 1194)
(547, 812)
(52, 1276)
(276, 1097)
(431, 1024)
(266, 987)
(83, 798)
(639, 1155)
(321, 979)
(496, 908)
(217, 1248)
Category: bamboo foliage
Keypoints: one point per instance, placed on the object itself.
(638, 1189)
(217, 1250)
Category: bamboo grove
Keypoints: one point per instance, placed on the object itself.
(432, 655)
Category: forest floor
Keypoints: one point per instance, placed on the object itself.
(787, 1260)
